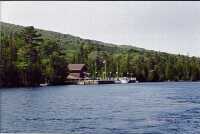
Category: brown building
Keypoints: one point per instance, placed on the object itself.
(77, 71)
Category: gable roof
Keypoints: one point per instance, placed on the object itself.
(75, 66)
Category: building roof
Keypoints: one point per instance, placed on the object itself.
(75, 66)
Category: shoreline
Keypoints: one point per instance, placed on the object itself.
(36, 86)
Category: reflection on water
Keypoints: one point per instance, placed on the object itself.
(140, 108)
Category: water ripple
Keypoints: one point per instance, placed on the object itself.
(144, 108)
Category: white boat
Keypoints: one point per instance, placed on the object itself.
(124, 81)
(44, 84)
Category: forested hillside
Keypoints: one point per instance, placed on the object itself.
(30, 56)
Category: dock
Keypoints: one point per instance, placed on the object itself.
(96, 82)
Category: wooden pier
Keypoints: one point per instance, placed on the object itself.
(94, 82)
(87, 82)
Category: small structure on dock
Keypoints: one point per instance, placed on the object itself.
(77, 72)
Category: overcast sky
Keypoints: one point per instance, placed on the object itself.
(166, 26)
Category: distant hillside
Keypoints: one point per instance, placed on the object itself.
(69, 40)
(32, 58)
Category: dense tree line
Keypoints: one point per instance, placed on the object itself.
(145, 66)
(28, 58)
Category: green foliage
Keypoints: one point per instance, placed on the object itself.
(59, 68)
(30, 56)
(28, 60)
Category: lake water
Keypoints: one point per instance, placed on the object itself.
(138, 108)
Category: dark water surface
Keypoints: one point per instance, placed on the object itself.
(142, 108)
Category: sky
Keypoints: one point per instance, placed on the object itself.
(165, 26)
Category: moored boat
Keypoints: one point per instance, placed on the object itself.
(124, 81)
(44, 84)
